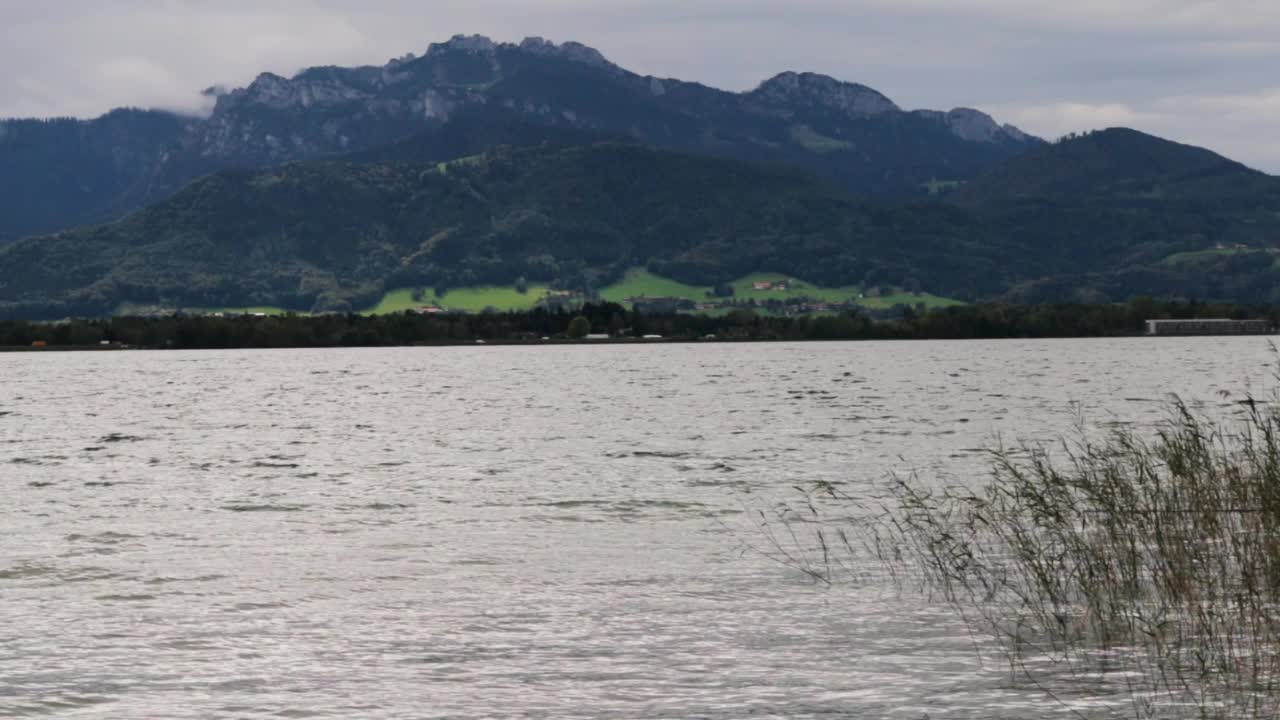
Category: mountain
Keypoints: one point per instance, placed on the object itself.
(1116, 213)
(66, 172)
(1117, 164)
(72, 172)
(331, 235)
(336, 235)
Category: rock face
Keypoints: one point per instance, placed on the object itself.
(792, 89)
(975, 126)
(848, 133)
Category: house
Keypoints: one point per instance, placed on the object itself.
(762, 285)
(1214, 326)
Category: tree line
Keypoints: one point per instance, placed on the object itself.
(613, 320)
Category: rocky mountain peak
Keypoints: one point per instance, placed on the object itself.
(976, 126)
(973, 125)
(267, 89)
(576, 52)
(464, 43)
(315, 86)
(853, 99)
(481, 45)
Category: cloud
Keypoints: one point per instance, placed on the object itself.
(1240, 126)
(1204, 71)
(1057, 119)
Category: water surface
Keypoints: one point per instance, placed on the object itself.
(535, 532)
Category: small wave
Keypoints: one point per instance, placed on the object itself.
(623, 506)
(174, 580)
(125, 598)
(267, 508)
(251, 606)
(22, 571)
(106, 538)
(55, 706)
(30, 461)
(120, 438)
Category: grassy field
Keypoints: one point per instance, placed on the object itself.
(812, 140)
(642, 283)
(471, 300)
(744, 289)
(443, 167)
(638, 282)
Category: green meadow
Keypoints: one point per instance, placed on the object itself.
(642, 283)
(472, 300)
(636, 284)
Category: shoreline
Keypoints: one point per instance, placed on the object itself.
(12, 349)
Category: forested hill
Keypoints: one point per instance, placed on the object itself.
(336, 235)
(1117, 213)
(1120, 165)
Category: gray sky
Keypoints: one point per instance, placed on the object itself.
(1200, 71)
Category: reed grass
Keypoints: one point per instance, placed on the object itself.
(1125, 562)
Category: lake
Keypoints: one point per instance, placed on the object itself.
(559, 532)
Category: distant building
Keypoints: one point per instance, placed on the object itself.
(762, 285)
(1213, 326)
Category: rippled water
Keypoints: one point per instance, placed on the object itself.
(497, 532)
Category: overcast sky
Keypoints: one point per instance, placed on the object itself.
(1199, 71)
